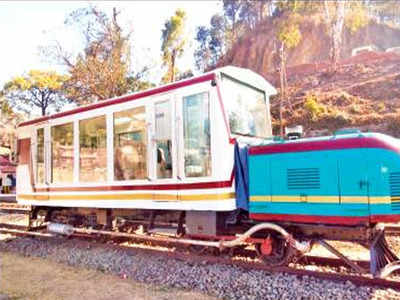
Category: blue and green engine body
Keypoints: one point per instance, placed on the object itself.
(351, 179)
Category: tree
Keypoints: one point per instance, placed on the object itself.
(335, 15)
(211, 43)
(289, 37)
(37, 89)
(174, 40)
(356, 17)
(103, 69)
(231, 12)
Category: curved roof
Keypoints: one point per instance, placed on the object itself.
(239, 73)
(335, 142)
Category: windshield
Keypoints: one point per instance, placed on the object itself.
(247, 109)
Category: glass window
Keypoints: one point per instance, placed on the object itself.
(93, 152)
(62, 153)
(130, 144)
(196, 134)
(247, 109)
(163, 139)
(40, 170)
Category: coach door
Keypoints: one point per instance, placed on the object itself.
(353, 182)
(164, 151)
(41, 161)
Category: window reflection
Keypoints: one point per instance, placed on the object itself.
(130, 144)
(93, 153)
(163, 139)
(62, 153)
(196, 132)
(40, 156)
(247, 109)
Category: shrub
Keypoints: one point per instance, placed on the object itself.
(380, 107)
(314, 108)
(355, 109)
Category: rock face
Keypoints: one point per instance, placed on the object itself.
(256, 49)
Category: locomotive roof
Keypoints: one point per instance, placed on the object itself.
(333, 142)
(240, 74)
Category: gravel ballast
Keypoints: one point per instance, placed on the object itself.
(228, 282)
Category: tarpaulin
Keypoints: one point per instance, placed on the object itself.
(242, 176)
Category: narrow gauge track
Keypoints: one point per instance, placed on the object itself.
(356, 279)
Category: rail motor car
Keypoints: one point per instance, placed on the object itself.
(196, 158)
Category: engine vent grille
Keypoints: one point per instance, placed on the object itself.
(394, 181)
(303, 179)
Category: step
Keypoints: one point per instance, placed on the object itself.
(164, 230)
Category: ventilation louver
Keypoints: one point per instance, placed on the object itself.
(394, 181)
(303, 179)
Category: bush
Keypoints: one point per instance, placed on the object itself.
(380, 107)
(314, 108)
(355, 109)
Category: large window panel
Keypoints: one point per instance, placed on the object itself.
(93, 150)
(130, 144)
(196, 134)
(247, 109)
(40, 168)
(62, 153)
(163, 139)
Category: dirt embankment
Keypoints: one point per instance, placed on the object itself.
(363, 93)
(255, 49)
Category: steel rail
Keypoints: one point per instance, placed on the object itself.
(355, 279)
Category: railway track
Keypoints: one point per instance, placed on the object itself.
(297, 269)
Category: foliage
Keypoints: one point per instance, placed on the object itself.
(211, 43)
(289, 33)
(381, 107)
(103, 69)
(174, 40)
(356, 17)
(37, 89)
(312, 106)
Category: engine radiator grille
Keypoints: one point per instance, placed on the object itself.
(394, 181)
(303, 178)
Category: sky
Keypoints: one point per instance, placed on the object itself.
(27, 25)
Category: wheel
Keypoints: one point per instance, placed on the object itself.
(275, 251)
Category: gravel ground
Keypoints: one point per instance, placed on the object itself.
(223, 281)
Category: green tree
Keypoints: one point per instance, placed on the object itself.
(356, 16)
(37, 89)
(289, 36)
(211, 43)
(103, 69)
(174, 40)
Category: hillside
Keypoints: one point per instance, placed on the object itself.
(255, 49)
(364, 92)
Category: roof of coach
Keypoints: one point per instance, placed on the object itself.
(333, 142)
(240, 74)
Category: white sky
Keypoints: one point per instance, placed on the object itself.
(26, 25)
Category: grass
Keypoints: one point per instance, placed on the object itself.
(36, 278)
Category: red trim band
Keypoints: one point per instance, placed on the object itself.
(158, 90)
(156, 187)
(312, 219)
(332, 144)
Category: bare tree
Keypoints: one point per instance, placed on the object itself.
(335, 14)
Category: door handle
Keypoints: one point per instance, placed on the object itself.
(363, 183)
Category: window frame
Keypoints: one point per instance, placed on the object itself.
(226, 111)
(112, 145)
(77, 136)
(181, 145)
(172, 101)
(35, 156)
(50, 166)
